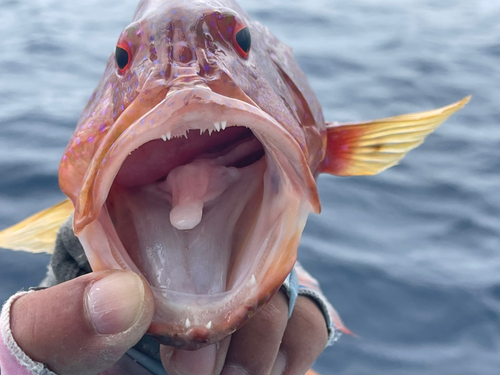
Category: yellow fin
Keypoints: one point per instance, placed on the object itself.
(37, 234)
(368, 148)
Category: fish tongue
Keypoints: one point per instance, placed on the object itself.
(194, 184)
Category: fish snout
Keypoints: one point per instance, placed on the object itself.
(186, 77)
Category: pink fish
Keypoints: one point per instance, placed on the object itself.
(194, 165)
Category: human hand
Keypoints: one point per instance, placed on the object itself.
(86, 325)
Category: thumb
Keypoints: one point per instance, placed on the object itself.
(85, 325)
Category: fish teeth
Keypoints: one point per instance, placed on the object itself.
(169, 135)
(252, 281)
(210, 131)
(223, 125)
(217, 126)
(209, 325)
(164, 137)
(188, 323)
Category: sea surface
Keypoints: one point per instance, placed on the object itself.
(410, 258)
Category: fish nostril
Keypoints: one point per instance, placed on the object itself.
(182, 53)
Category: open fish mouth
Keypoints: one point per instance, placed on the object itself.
(206, 197)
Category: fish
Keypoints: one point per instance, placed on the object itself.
(194, 164)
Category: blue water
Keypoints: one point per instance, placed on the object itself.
(410, 258)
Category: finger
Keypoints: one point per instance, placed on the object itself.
(254, 347)
(205, 361)
(85, 325)
(305, 337)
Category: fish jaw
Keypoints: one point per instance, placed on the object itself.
(240, 263)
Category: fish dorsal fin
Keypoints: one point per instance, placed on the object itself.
(37, 234)
(368, 148)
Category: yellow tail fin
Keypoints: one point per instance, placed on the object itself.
(37, 234)
(368, 148)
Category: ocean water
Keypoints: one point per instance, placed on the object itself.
(410, 258)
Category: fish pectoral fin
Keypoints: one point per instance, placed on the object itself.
(37, 234)
(368, 148)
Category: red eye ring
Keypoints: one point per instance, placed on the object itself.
(123, 57)
(242, 40)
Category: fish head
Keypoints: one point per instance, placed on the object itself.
(194, 165)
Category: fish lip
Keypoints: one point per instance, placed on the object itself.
(184, 105)
(269, 132)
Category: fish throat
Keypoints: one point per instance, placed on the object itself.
(188, 230)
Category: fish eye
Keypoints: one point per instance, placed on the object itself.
(242, 42)
(123, 57)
